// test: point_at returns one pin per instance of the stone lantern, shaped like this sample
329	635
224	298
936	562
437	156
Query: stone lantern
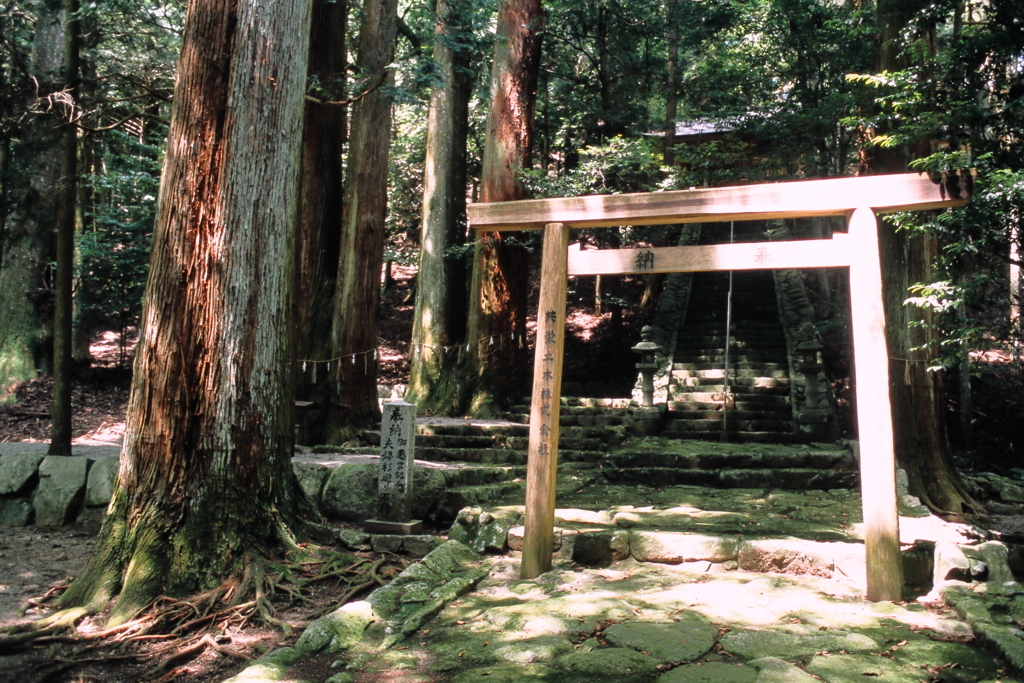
810	366
648	364
812	419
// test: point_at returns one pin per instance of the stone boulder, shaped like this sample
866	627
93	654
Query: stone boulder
100	486
61	489
351	492
19	473
15	512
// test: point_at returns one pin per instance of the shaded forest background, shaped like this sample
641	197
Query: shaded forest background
761	91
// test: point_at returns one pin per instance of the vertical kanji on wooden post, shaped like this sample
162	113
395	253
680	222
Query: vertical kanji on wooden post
538	541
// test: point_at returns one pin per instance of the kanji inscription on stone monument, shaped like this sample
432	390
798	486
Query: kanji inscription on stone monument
394	482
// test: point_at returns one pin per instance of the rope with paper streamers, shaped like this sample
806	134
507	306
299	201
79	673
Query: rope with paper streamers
338	361
490	343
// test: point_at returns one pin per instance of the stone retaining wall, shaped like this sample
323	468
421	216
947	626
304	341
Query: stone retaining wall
54	490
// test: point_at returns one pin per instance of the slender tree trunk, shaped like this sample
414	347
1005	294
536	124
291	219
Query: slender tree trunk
496	333
671	86
438	322
60	430
320	208
916	394
357	294
206	488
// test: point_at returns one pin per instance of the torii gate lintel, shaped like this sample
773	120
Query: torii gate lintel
858	199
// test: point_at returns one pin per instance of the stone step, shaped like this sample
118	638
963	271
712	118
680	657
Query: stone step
481	476
516	443
686	400
678	393
739	385
487	494
585	421
618	403
732	436
717	357
788	478
740	364
734	414
493	456
774	404
716	458
496	456
719	373
753	341
524	409
684	424
516	429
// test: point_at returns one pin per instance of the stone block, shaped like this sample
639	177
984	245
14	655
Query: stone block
593	549
312	477
420	545
996	557
19	473
796	556
1011	493
339	630
682	641
351	492
951	564
653	546
516	534
60	491
485	530
100	485
15	512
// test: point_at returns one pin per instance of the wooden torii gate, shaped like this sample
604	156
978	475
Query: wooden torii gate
858	199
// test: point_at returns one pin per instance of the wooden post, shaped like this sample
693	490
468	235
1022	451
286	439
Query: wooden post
874	415
538	539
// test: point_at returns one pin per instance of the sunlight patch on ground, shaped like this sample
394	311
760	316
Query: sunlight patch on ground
583	324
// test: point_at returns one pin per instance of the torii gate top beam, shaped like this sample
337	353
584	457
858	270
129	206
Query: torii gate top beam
832	197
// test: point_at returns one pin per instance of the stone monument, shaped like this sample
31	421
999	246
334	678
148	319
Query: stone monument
397	445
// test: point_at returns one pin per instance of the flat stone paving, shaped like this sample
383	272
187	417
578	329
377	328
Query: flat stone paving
652	622
647	621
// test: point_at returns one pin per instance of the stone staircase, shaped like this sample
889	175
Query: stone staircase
759	407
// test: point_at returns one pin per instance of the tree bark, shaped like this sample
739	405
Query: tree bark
320	209
916	394
206	488
671	87
357	294
438	322
60	429
496	333
30	188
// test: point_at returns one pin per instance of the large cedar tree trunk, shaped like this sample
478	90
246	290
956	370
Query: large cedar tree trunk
497	317
205	488
357	294
916	394
320	212
438	322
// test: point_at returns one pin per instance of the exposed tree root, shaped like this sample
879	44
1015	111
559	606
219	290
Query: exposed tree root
175	631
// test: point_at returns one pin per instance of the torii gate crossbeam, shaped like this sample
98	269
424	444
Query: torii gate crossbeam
858	199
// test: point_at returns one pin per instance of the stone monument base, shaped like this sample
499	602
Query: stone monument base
379	526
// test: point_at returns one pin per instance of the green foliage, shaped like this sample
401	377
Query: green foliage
114	254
